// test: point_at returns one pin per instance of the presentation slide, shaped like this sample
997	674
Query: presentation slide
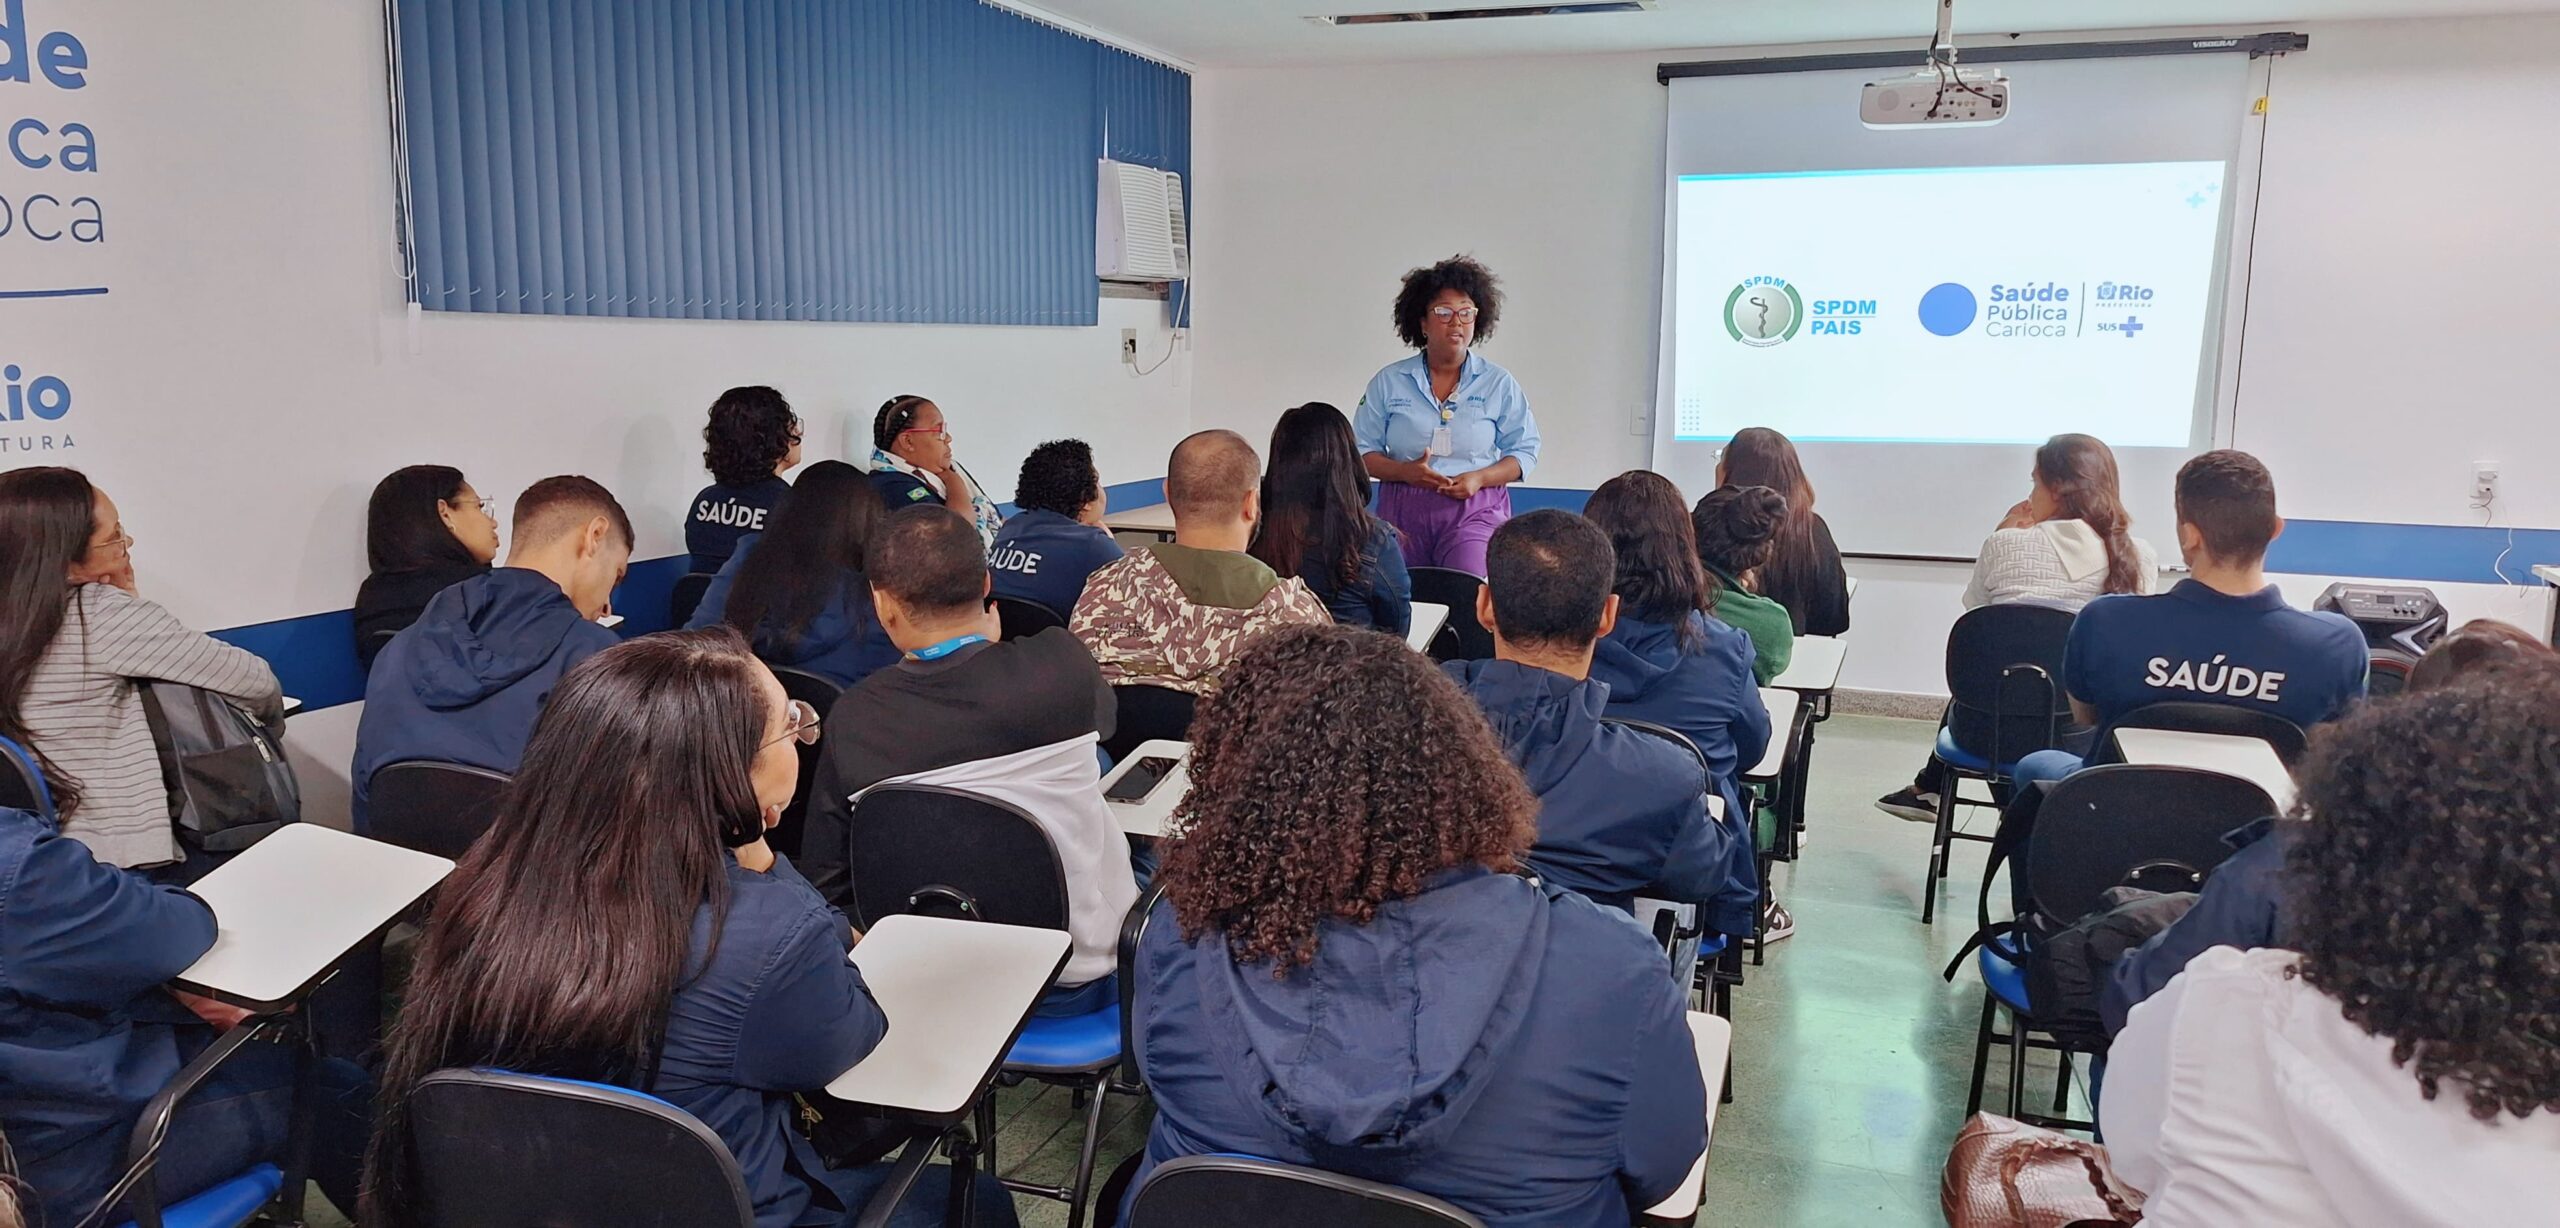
1949	304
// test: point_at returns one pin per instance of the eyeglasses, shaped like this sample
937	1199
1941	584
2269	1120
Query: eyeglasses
488	507
804	725
1453	313
942	432
120	541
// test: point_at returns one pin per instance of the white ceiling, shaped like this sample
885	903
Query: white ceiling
1256	32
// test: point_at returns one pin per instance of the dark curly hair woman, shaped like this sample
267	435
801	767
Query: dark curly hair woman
2401	1063
752	439
1349	972
1055	538
1445	430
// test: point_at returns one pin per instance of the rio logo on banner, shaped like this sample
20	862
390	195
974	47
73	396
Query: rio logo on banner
53	227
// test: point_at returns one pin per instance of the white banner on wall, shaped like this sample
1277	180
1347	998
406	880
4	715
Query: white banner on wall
54	256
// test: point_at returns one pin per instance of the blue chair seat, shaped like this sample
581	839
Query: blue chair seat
1712	945
227	1205
1071	1045
1957	757
2005	981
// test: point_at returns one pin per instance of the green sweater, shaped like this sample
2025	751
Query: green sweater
1772	631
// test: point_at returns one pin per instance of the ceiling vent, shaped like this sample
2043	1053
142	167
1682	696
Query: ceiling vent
1584	8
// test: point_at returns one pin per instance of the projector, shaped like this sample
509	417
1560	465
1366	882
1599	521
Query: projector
1936	97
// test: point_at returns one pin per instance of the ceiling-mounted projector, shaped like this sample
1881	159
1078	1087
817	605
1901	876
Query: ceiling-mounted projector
1941	97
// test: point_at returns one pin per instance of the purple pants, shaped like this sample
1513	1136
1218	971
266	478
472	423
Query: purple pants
1440	531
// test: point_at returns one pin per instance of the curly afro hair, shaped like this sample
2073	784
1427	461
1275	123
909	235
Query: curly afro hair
2425	885
751	430
1459	273
1335	770
1058	477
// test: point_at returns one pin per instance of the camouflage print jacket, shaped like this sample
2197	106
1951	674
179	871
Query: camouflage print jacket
1142	623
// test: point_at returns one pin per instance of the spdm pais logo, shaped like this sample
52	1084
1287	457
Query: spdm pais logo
33	407
1763	311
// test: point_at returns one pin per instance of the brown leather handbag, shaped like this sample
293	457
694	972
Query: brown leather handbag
2008	1174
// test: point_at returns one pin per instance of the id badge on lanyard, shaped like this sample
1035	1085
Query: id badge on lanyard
1440	442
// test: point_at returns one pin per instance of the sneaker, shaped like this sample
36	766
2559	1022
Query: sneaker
1776	923
1911	804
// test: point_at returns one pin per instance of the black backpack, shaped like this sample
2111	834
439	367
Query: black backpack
2065	970
229	785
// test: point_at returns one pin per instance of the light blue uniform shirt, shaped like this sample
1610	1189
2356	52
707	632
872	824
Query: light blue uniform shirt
1487	415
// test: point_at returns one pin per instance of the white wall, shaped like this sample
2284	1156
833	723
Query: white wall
253	371
2406	162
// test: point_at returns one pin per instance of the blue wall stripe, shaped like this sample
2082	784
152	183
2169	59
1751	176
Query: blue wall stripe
919	161
314	656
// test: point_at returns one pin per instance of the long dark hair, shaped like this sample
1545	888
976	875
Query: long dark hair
1758	456
403	532
811	548
1659	579
2427	883
1335	770
2079	471
560	940
1315	497
47	516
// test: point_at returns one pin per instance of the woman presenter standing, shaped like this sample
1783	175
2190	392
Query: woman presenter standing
1445	430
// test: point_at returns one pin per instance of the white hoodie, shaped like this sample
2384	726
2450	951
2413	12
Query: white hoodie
2239	1094
2058	563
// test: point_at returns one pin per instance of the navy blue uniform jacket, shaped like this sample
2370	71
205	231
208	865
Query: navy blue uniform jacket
2241	906
1042	556
1514	1049
843	644
86	1035
775	1009
1620	813
464	683
1706	692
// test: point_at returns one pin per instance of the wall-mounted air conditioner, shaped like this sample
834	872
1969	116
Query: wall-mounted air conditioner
1140	232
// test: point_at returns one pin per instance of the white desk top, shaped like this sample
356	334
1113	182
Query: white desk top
1428	618
1715	1047
1853	588
2249	759
2550	572
1148	815
1782	719
289	908
956	993
1153	518
291	705
1815	665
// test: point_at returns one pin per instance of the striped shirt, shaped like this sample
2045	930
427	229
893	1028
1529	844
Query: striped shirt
85	713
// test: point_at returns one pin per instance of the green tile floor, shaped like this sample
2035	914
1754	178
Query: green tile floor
1850	1055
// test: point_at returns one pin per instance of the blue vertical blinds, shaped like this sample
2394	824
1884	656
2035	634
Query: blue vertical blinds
916	161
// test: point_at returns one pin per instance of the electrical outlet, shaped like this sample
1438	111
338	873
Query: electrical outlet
2484	483
1129	347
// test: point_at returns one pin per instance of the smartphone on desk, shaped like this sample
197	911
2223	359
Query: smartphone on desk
1140	780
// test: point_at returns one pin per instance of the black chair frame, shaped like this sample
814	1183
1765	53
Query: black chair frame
1146	713
22	784
685	595
1462	638
821	695
2022	695
1021	616
447	834
139	1188
2283	736
1243	1192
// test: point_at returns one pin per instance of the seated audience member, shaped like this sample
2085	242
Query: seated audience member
2064	545
1348	972
464	684
1736	527
1055	538
753	438
1316	524
796	590
425	531
2243	902
2398	1064
94	1032
1013	720
625	922
76	641
2224	635
1667	662
1174	614
1620	812
1804	572
912	462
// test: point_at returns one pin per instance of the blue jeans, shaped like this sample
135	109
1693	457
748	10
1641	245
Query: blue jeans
2041	767
2045	767
928	1201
